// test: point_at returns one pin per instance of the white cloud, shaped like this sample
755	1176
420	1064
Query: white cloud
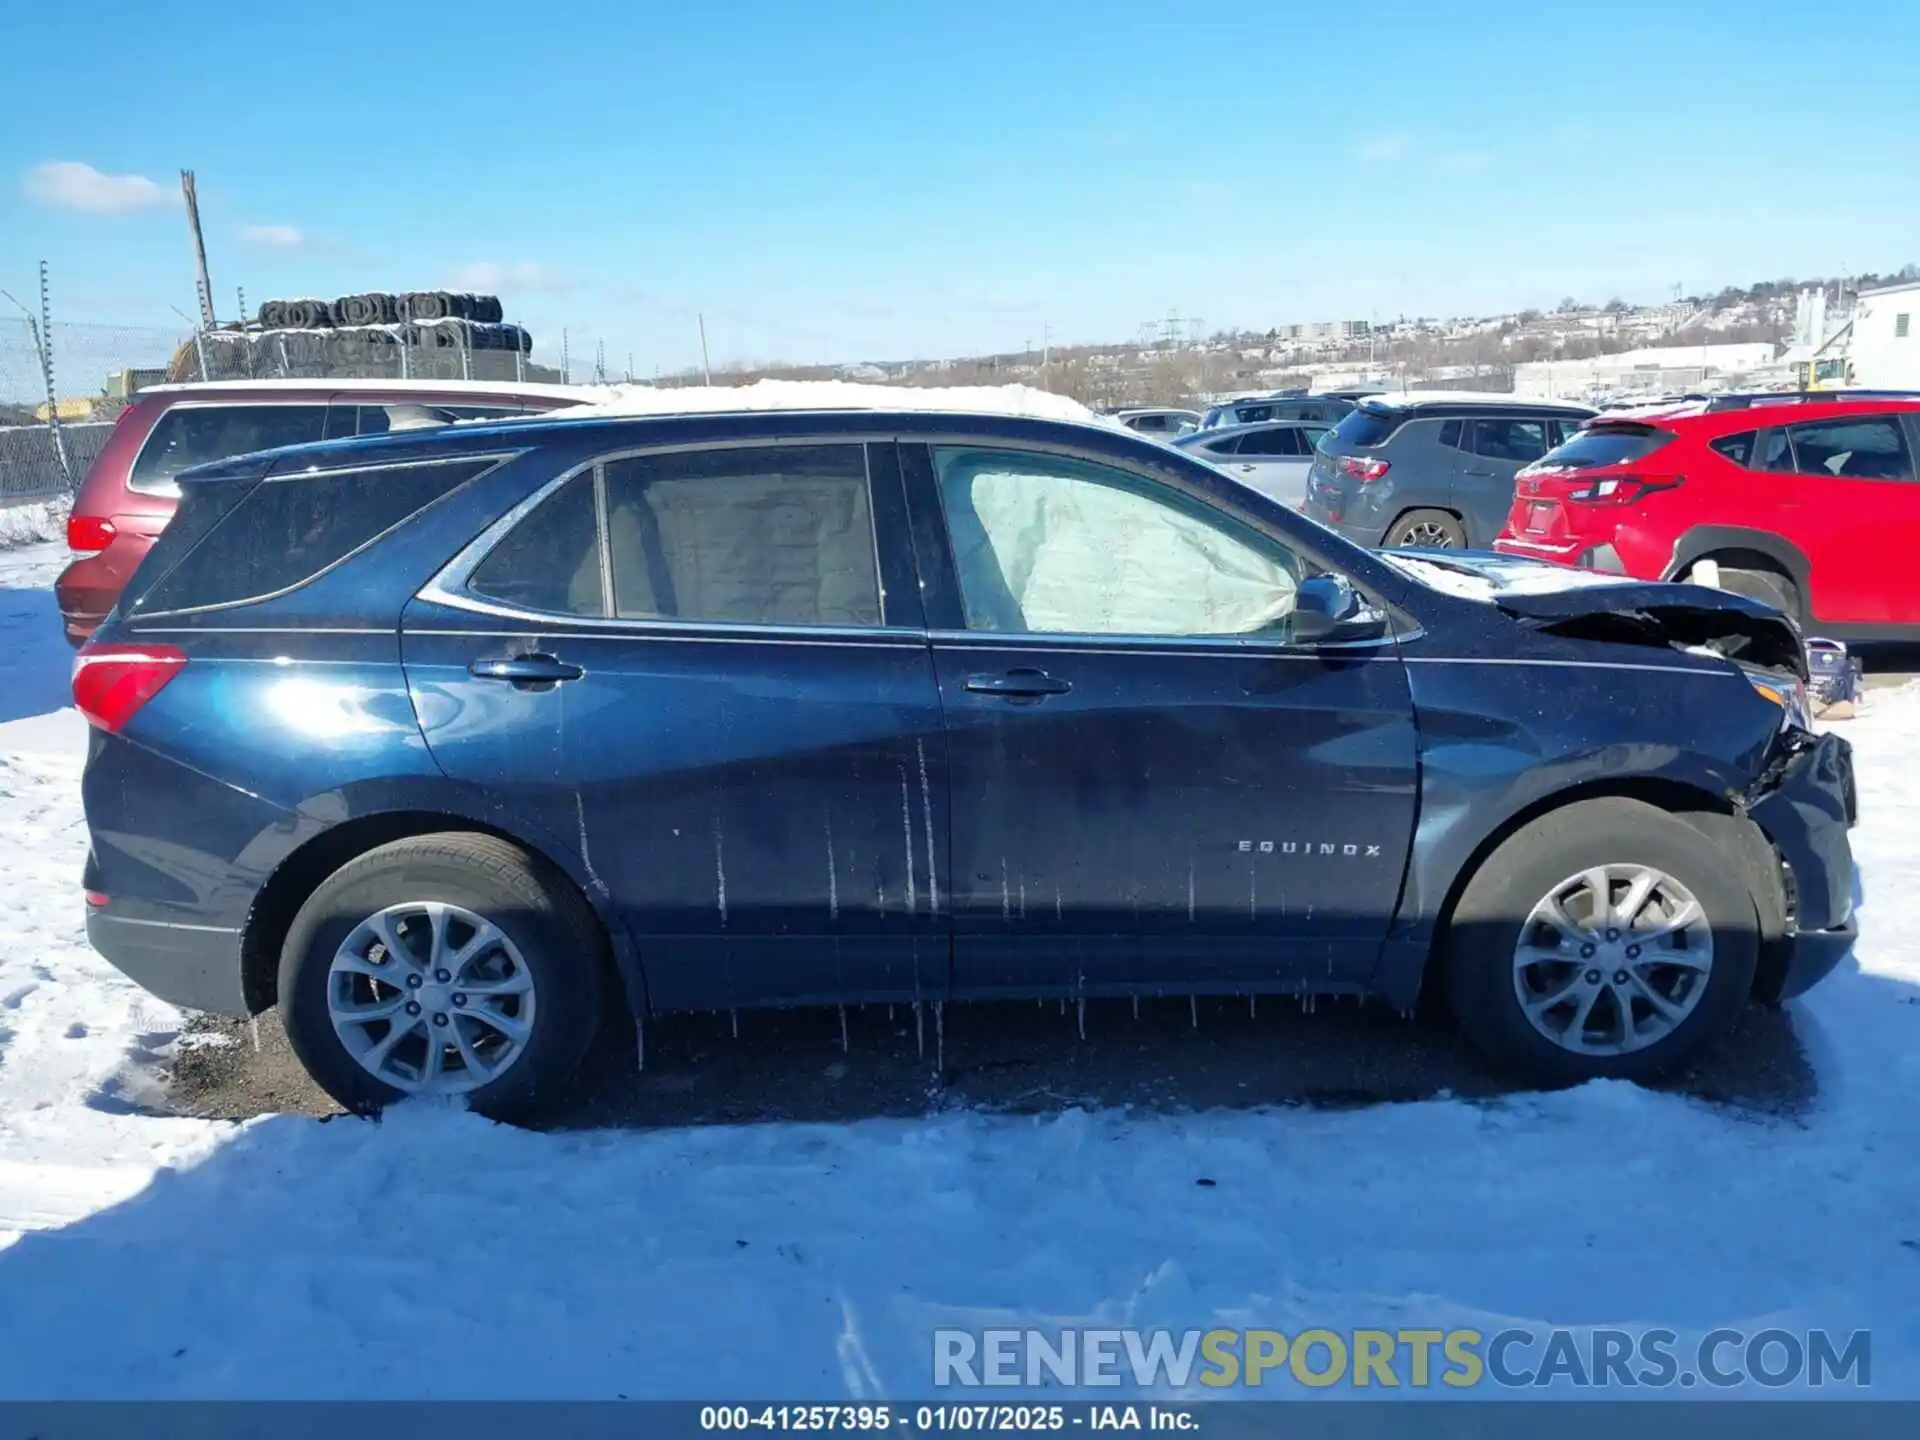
1464	163
277	237
521	277
73	185
1382	148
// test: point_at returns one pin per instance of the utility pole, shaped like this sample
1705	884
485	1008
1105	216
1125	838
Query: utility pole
199	249
706	365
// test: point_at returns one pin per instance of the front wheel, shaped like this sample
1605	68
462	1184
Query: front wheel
1602	940
442	966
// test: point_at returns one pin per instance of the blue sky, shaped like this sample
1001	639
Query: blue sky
850	179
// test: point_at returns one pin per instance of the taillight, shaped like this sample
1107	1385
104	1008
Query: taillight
1354	467
98	899
89	534
112	682
1616	490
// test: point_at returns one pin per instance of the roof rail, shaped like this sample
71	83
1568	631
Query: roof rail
1799	397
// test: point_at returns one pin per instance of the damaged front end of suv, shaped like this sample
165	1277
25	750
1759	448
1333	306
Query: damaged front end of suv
1776	797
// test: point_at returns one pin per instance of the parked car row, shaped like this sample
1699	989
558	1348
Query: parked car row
443	740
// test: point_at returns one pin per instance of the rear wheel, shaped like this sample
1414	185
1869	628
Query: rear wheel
441	966
1603	940
1429	529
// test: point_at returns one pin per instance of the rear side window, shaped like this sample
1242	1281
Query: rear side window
1611	445
551	560
1253	414
1776	452
1503	439
774	535
286	532
1452	433
189	435
1737	448
1271	442
1869	448
1365	428
201	508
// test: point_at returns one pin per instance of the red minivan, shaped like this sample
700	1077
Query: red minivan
129	494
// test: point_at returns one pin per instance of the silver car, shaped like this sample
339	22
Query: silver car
1272	458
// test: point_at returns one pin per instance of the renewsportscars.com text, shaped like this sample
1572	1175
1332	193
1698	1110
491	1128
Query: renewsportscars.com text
1392	1359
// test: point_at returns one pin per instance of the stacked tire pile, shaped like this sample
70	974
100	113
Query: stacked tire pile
445	335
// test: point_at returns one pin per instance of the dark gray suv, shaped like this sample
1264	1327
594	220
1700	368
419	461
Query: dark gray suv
1431	468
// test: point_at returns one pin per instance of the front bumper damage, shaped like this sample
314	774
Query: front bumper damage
1804	803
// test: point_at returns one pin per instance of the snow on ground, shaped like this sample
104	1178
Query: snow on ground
436	1255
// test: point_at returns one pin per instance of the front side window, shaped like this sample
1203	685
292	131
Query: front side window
189	435
759	535
1523	441
1868	448
1048	545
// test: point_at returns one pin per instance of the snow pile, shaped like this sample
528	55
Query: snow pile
34	523
435	1255
1021	400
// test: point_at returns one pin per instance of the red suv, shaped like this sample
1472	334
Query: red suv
1807	502
129	494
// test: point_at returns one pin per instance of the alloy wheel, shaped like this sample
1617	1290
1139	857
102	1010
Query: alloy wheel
430	998
1613	959
1427	534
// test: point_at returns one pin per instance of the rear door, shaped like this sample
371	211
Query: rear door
706	671
1274	462
1498	445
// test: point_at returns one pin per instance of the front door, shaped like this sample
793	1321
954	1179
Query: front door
1152	786
695	670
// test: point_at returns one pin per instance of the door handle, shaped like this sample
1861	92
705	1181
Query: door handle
1246	467
526	672
1019	684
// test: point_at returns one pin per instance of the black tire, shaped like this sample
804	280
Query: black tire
487	310
1769	587
1485	929
1446	530
556	934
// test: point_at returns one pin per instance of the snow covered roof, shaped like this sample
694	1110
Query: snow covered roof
362	386
1021	400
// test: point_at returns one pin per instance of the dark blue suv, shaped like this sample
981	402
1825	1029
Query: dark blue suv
443	742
